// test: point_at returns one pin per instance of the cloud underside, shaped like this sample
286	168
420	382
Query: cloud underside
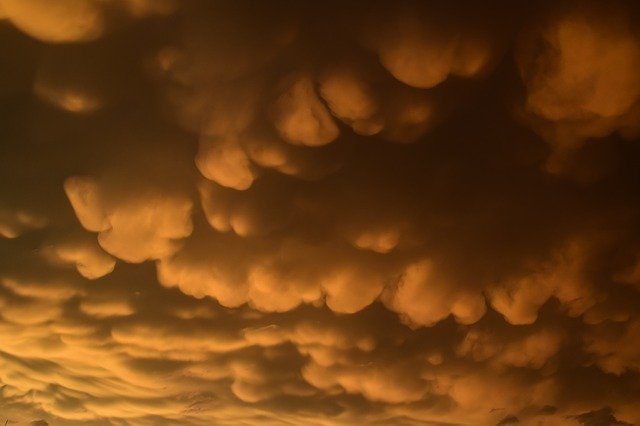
384	213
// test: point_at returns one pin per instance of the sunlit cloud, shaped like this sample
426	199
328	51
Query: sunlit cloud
369	213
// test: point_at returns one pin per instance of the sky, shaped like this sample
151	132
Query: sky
338	213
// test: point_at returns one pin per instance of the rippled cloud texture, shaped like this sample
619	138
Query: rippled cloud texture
319	213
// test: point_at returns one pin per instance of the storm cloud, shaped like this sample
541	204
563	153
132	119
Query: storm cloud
319	213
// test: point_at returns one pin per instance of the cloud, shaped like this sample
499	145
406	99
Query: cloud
88	258
581	82
520	300
67	21
134	227
418	51
134	230
14	223
299	116
531	351
423	299
599	417
242	213
508	420
625	356
72	22
352	99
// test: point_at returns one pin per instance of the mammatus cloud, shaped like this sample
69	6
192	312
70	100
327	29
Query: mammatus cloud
579	69
415	47
69	21
377	213
423	299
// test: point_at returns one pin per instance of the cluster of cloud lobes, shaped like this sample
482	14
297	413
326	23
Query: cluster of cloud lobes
267	213
580	67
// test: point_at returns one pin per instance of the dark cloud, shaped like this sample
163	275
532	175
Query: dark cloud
336	213
601	417
508	420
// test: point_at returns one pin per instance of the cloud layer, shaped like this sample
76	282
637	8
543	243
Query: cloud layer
380	213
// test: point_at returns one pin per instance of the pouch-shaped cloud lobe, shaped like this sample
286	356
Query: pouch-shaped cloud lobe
579	66
339	213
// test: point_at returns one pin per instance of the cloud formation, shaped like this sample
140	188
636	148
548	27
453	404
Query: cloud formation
579	68
377	213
